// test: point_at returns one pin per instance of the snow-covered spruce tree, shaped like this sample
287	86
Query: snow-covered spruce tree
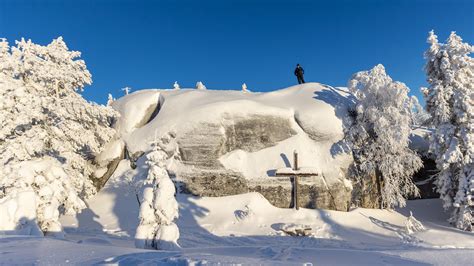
200	86
176	86
158	208
7	62
110	99
379	136
48	128
244	88
412	225
449	100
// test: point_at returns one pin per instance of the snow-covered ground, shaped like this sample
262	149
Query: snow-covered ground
245	229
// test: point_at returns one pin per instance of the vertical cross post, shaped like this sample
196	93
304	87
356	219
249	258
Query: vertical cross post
295	180
295	173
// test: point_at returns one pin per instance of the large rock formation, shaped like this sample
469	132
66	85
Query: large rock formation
229	142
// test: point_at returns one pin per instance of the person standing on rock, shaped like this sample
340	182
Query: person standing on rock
299	73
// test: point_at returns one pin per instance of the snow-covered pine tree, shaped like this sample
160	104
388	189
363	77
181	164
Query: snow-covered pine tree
45	125
244	88
200	86
412	225
110	99
158	208
176	85
449	100
51	66
379	135
7	63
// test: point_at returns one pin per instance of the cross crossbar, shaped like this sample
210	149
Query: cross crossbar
294	173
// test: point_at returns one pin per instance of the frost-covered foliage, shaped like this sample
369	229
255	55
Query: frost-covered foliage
379	135
200	86
7	62
158	208
419	116
51	67
449	100
176	85
47	129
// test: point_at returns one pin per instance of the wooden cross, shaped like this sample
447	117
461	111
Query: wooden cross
294	173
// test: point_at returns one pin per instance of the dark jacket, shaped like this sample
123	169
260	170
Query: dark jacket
299	71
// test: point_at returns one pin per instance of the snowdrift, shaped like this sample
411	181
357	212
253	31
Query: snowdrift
246	229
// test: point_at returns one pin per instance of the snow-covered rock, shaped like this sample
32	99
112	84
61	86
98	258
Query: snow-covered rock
230	142
136	110
419	140
292	229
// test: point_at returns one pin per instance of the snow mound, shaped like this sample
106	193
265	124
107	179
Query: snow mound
18	207
135	109
314	104
312	114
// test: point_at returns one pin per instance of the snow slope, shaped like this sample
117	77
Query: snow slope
243	228
245	231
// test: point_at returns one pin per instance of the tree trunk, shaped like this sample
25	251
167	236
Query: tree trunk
379	182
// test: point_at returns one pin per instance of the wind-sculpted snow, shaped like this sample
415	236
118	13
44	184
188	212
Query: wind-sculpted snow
136	110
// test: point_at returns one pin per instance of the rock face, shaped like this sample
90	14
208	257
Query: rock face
204	145
312	194
231	142
365	193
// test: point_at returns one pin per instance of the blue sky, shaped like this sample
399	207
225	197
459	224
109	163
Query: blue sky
151	44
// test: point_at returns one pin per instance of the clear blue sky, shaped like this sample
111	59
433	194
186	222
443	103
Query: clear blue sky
151	44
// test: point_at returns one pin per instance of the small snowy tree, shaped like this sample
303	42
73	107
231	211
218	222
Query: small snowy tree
244	88
110	99
158	208
379	135
412	225
126	90
200	86
176	85
449	100
55	191
44	121
7	62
